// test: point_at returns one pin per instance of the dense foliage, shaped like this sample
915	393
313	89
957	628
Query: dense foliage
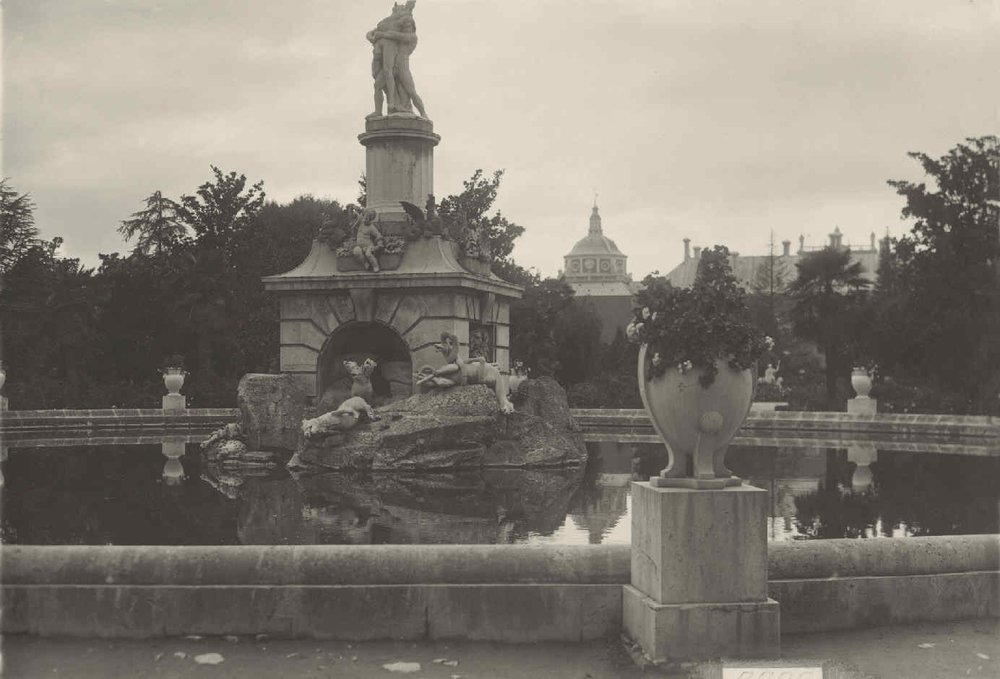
829	302
938	297
691	328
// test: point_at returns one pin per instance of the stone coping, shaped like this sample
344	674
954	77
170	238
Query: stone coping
893	424
941	445
116	418
120	437
465	564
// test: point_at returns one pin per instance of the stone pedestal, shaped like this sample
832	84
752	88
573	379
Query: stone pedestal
4	404
699	575
862	405
174	402
399	164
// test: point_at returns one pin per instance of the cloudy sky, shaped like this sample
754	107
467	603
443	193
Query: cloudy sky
717	120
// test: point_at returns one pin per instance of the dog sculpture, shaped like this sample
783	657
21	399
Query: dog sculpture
341	419
361	377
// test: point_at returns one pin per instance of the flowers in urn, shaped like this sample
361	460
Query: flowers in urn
690	328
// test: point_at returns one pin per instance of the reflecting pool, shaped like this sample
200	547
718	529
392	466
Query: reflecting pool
157	489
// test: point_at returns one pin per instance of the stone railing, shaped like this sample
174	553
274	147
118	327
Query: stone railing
919	433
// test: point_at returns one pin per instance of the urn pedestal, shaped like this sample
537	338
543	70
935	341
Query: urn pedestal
862	403
173	380
699	575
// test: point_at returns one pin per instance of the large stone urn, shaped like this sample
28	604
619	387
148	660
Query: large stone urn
173	379
861	382
698	585
695	423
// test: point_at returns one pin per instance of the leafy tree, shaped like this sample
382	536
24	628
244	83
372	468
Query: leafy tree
18	234
552	334
472	205
220	210
829	296
157	229
943	287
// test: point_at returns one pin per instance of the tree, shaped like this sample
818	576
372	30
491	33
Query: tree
157	228
944	284
552	334
220	210
829	296
472	205
18	234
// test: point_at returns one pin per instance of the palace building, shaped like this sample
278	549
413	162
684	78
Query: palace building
598	272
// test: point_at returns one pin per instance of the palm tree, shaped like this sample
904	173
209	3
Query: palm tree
829	296
157	228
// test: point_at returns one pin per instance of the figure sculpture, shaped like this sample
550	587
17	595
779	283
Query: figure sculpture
458	372
367	241
393	41
361	377
427	220
228	432
341	419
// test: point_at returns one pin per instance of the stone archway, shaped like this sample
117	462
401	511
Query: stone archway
356	341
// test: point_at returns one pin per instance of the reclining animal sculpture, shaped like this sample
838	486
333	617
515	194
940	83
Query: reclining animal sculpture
341	419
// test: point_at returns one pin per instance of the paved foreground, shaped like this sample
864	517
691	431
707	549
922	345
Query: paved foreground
928	651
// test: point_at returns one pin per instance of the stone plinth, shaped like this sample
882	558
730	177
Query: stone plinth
699	574
4	405
174	402
399	164
862	405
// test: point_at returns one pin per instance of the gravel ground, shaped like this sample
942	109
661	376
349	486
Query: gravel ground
926	651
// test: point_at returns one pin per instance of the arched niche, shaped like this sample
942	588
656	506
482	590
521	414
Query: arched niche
357	341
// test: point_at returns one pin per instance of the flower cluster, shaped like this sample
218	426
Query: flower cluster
690	328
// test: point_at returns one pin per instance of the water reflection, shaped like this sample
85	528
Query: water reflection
173	469
160	494
482	507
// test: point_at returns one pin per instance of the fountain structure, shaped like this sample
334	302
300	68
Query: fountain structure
388	289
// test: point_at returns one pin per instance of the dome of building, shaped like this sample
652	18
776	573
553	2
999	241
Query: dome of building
595	242
598	273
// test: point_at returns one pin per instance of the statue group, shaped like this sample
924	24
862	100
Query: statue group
393	41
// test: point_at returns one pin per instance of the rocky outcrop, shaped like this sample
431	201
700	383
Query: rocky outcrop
458	428
272	408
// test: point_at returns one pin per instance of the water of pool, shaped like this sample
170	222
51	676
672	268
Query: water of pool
90	492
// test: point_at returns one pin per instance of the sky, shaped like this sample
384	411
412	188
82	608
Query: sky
724	122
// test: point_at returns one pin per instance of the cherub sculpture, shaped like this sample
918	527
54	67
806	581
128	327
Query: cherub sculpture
367	240
457	372
361	377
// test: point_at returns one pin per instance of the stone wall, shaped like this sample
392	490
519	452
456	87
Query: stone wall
309	321
505	593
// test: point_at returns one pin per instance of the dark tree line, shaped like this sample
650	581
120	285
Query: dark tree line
77	337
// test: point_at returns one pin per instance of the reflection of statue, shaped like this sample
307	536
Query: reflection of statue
361	383
343	418
393	41
457	372
368	241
